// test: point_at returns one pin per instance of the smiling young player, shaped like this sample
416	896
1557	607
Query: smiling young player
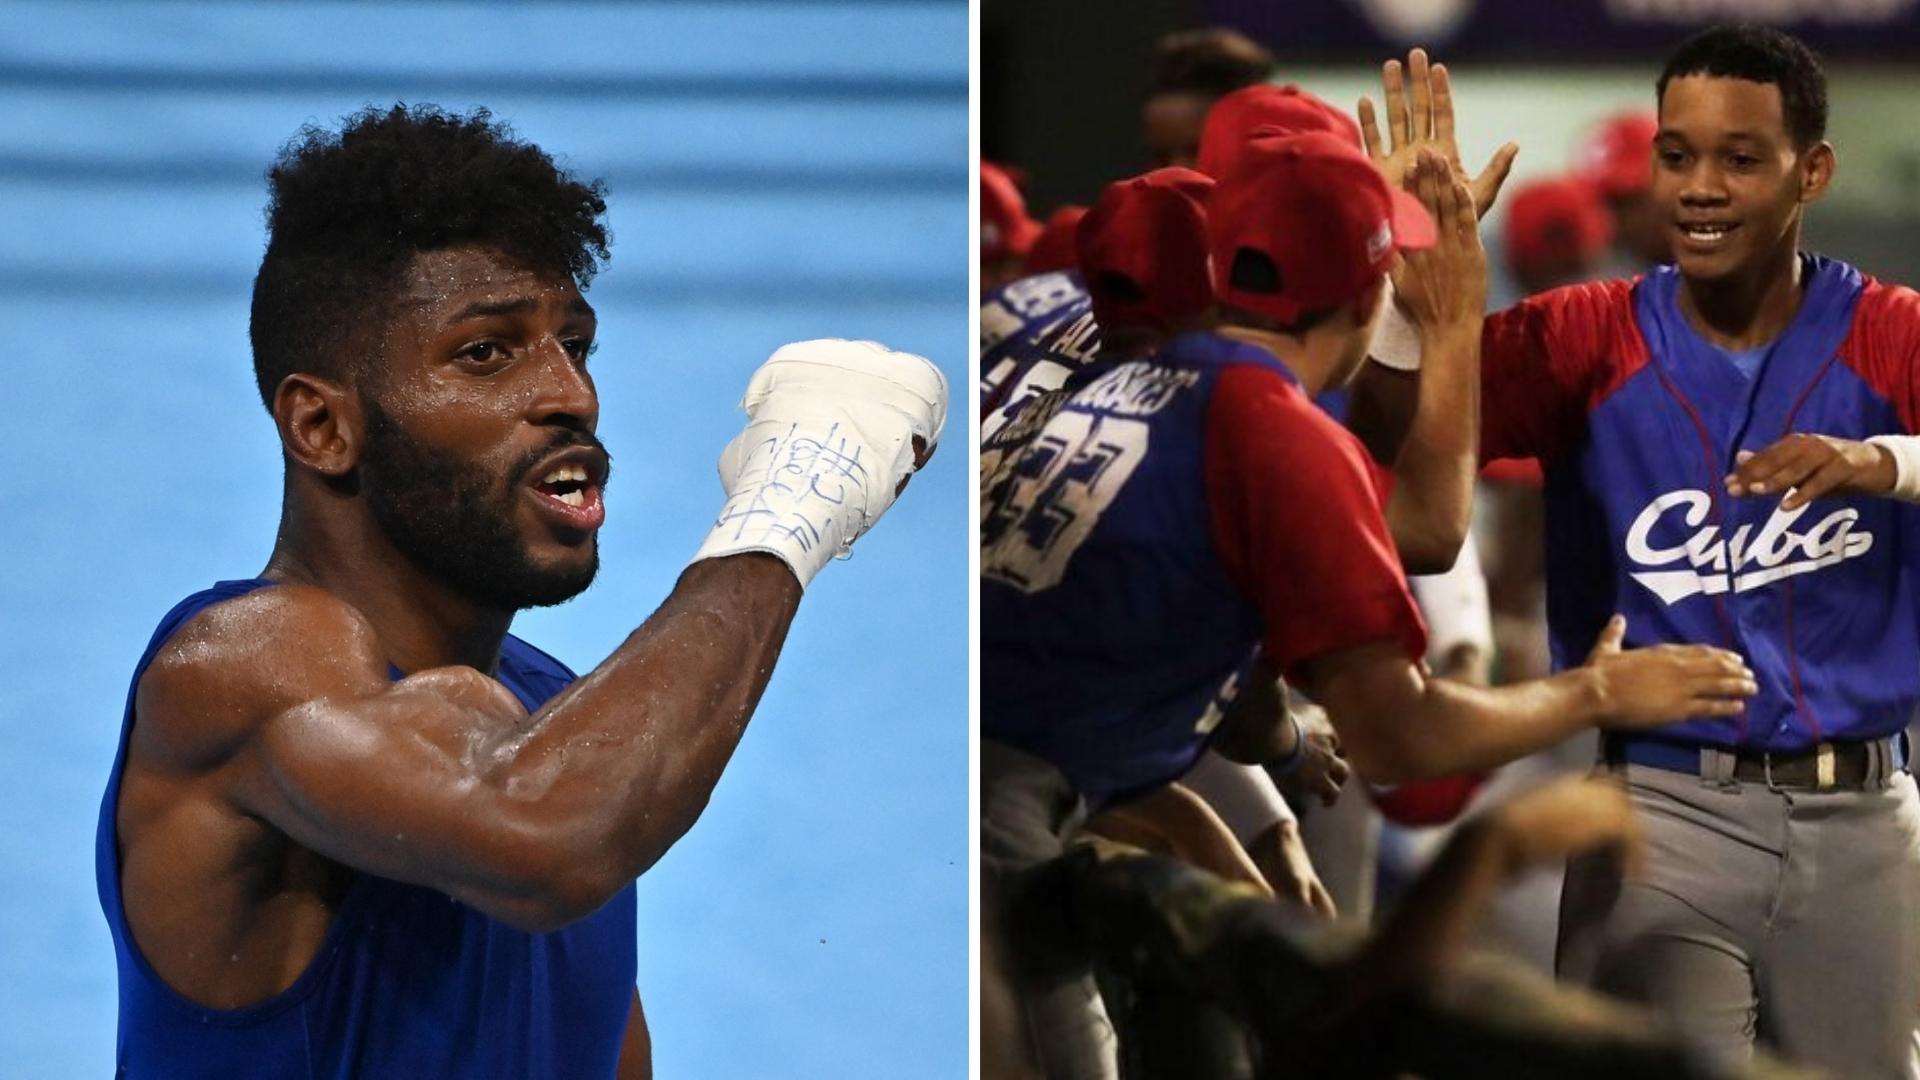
1671	412
355	827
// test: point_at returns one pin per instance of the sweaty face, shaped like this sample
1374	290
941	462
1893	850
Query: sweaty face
1173	123
1727	178
480	463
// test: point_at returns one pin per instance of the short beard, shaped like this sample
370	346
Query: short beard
456	524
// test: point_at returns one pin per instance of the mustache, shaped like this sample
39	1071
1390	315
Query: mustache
564	440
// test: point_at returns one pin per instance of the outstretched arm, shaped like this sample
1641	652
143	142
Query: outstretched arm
1399	724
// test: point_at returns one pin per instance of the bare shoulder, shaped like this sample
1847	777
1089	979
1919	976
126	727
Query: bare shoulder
240	662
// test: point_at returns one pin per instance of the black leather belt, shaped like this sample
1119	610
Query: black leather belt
1837	766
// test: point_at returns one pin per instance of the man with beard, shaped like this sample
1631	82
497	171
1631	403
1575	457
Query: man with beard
355	827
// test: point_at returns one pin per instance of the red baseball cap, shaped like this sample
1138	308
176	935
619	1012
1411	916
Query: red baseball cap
1005	228
1053	248
1143	250
1306	223
1618	156
1556	222
1266	109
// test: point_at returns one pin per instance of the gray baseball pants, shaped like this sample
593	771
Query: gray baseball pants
1787	916
1028	812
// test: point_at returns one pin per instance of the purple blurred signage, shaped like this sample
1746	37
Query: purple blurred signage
1537	29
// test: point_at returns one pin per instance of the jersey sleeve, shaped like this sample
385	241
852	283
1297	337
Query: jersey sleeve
1884	347
1297	518
1541	364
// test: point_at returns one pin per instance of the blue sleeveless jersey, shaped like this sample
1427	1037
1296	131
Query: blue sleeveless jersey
408	982
1112	638
1637	442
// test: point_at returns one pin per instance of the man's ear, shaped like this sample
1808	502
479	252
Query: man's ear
1816	171
321	423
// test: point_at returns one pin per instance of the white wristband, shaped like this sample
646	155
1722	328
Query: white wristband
1905	450
1396	341
829	437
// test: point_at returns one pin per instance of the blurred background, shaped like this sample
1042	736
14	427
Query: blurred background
1063	86
777	171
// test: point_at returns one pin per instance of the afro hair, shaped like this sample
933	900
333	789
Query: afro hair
348	212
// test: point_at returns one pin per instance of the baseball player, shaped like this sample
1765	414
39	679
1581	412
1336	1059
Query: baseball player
1140	275
1721	438
1152	528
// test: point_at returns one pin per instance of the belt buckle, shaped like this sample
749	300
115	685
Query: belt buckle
1824	772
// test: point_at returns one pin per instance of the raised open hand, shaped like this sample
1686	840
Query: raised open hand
1419	99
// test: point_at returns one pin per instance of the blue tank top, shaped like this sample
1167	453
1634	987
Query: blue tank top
408	982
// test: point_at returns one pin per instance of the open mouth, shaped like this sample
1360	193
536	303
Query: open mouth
568	495
1705	234
565	484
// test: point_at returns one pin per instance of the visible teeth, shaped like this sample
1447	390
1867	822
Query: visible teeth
573	498
566	472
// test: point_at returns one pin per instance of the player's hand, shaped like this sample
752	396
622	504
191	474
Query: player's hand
1664	684
1322	773
1566	818
834	430
1809	467
1421	115
1281	856
1443	286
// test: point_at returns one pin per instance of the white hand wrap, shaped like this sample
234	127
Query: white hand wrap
1905	450
1396	341
829	436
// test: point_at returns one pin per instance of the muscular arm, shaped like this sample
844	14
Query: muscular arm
441	779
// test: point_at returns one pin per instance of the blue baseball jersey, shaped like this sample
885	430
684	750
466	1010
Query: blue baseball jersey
1033	333
1638	420
408	981
1148	528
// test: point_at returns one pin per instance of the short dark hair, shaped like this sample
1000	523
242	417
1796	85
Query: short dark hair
348	212
1212	62
1764	55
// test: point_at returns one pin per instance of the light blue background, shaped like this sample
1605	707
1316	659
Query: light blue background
777	171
